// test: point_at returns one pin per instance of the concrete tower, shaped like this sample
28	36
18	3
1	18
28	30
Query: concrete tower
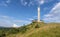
38	14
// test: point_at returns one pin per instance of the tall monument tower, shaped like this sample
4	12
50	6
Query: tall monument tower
38	14
40	2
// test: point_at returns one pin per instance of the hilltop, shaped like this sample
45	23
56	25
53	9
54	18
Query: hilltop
34	29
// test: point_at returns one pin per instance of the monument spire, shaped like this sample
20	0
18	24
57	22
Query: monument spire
38	13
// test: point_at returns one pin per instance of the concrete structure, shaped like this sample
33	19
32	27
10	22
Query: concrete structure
38	14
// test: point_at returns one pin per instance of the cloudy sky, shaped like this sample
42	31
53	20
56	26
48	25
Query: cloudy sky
21	12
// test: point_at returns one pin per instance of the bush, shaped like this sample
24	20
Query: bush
13	31
24	29
3	35
37	26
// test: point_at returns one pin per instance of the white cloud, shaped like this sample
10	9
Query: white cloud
8	1
54	15
5	21
8	21
15	25
5	3
34	2
40	1
30	19
25	3
47	1
31	3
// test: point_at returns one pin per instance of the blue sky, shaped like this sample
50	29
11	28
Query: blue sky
21	12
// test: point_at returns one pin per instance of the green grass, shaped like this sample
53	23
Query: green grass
42	30
47	31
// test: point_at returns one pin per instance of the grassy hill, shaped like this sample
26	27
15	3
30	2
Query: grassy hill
34	29
47	31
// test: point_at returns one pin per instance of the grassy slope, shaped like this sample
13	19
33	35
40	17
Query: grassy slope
31	29
48	30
